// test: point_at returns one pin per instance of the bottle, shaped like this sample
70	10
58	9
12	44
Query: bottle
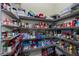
5	46
44	52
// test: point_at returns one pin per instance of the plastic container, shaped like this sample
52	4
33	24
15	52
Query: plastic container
21	12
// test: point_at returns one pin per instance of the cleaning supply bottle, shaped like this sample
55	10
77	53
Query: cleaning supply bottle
31	13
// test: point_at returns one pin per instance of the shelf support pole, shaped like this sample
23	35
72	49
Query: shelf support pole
0	30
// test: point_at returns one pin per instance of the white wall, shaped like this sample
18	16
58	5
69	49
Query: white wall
47	8
60	6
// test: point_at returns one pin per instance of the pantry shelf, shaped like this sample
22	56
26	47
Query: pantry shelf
9	26
74	28
35	19
10	14
48	38
12	38
6	54
10	53
52	45
39	39
64	28
76	43
24	31
62	50
72	14
36	29
41	29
